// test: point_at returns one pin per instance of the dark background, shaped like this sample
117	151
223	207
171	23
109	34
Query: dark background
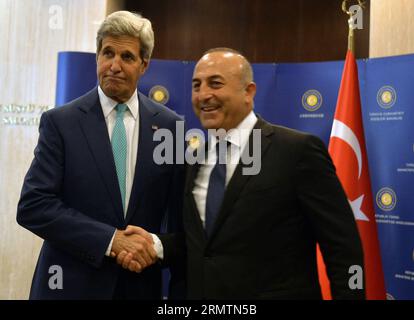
264	30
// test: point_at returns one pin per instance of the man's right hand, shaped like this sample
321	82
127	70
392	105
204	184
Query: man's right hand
133	251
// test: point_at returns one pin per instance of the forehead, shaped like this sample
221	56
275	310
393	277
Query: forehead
121	43
218	64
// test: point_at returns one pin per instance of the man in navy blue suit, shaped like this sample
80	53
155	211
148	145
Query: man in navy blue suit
93	176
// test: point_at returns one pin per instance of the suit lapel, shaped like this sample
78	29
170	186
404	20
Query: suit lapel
95	130
239	180
145	163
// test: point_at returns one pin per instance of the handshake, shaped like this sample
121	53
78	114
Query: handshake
133	248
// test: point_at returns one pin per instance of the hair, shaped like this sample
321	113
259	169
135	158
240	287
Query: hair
247	70
125	23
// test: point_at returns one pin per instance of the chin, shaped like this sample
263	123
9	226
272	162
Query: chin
109	90
209	124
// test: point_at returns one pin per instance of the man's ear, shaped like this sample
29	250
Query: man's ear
144	65
250	91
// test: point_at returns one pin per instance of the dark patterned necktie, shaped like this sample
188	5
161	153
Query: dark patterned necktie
216	186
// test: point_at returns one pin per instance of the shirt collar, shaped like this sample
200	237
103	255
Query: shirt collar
109	104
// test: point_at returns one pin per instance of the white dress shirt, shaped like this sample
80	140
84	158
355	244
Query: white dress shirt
131	122
238	139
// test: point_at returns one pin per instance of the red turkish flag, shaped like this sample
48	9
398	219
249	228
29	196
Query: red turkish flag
348	151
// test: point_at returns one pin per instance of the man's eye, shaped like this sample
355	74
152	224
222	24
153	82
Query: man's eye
127	57
107	53
216	83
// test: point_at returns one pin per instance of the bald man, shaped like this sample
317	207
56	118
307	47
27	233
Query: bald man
253	235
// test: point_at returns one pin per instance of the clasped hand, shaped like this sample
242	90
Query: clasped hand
133	248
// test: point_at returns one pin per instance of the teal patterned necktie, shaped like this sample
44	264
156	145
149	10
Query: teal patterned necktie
119	148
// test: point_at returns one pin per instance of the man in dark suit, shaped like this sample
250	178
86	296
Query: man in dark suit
254	236
93	175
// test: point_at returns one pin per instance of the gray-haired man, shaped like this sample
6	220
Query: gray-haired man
93	175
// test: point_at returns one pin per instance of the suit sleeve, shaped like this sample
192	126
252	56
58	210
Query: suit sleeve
42	210
326	207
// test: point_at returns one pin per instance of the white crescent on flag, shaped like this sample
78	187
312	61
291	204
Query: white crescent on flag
342	131
345	133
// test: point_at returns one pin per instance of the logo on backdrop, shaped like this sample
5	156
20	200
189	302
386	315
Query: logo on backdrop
386	199
386	97
312	100
159	94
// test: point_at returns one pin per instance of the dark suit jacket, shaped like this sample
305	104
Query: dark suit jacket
71	198
263	243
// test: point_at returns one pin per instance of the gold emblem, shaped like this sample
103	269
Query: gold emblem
386	97
194	142
386	199
159	94
312	100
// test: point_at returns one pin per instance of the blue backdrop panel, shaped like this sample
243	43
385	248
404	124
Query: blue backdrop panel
76	75
265	78
168	74
303	96
389	119
294	83
190	118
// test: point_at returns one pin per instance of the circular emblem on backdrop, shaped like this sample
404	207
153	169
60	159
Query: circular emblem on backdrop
159	94
312	100
386	97
386	199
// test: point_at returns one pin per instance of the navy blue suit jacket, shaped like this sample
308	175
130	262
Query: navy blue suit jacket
71	199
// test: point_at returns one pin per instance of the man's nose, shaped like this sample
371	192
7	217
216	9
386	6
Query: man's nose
204	93
116	64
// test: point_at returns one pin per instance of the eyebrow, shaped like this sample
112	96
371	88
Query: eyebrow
122	52
213	77
107	47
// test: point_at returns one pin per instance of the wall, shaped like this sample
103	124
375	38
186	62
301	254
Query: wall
264	30
392	28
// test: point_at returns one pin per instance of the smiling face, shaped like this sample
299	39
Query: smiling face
221	95
119	67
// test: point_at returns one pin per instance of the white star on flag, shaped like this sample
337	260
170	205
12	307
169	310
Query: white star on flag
356	209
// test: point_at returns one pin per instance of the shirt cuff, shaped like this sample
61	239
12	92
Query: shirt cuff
159	249
108	250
